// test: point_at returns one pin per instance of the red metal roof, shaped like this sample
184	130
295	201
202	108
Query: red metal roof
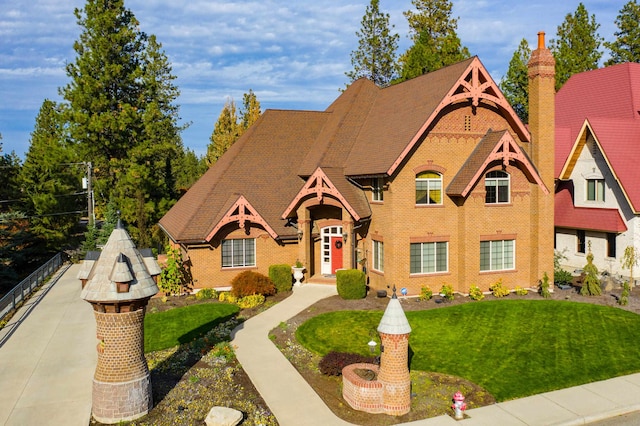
595	219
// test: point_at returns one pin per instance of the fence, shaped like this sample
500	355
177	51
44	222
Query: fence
20	292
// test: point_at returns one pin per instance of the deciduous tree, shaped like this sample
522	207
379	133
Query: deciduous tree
576	47
626	46
375	57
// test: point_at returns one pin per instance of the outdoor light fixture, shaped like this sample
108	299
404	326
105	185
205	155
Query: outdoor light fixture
299	234
372	346
345	236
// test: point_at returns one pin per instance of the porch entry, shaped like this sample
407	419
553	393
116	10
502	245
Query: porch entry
332	246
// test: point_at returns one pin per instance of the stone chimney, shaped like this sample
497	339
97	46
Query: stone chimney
541	70
394	376
119	285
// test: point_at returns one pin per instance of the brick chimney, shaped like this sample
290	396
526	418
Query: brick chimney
541	70
394	375
119	284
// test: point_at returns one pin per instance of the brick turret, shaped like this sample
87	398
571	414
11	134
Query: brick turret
119	285
394	376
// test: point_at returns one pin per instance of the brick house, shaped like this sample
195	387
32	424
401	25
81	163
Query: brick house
431	181
598	193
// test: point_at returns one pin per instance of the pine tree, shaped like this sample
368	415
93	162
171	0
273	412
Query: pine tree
10	192
51	180
626	46
189	170
515	83
122	116
376	54
577	46
436	42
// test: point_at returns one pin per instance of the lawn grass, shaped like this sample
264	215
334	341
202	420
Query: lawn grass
512	348
166	329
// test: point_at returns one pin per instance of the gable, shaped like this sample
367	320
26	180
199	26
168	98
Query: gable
494	147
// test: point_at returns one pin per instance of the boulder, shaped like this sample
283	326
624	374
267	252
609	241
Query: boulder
223	416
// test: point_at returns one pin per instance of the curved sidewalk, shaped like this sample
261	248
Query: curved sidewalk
48	357
295	403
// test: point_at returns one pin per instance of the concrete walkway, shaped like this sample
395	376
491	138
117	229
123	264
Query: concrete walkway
295	403
48	357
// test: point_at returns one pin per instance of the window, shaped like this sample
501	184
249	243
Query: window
496	184
611	245
238	253
376	189
378	256
429	188
595	189
582	241
426	258
497	255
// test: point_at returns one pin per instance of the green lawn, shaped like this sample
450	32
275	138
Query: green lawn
181	325
513	348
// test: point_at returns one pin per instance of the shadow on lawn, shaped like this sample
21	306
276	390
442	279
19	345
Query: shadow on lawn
166	374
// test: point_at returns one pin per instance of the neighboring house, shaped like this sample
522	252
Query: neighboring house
431	181
598	166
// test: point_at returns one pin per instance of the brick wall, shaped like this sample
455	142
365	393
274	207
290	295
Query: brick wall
394	374
360	394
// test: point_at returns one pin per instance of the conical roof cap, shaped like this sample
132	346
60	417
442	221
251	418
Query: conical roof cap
394	321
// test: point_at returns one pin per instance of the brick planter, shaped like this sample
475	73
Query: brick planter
361	394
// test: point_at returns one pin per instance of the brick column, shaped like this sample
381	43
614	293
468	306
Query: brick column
394	374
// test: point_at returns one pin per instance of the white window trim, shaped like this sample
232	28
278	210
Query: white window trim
497	179
377	256
244	254
491	269
422	271
429	180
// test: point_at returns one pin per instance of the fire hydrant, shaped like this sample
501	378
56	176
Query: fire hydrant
458	406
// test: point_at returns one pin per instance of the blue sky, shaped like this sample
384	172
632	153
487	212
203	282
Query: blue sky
293	55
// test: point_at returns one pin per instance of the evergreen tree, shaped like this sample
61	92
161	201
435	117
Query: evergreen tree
10	193
591	284
515	84
376	54
121	114
577	46
435	41
189	170
626	46
51	181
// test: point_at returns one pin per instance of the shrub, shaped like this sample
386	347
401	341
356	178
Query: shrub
475	293
562	277
544	286
174	275
447	291
591	283
206	293
225	296
332	363
521	291
498	289
351	284
252	301
425	293
624	296
248	282
281	277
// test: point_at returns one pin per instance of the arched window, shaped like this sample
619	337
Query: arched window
496	184
429	188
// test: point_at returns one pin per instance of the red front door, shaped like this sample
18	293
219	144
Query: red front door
336	254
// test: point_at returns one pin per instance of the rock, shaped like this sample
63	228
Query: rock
223	416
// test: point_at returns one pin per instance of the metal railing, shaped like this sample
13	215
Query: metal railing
22	291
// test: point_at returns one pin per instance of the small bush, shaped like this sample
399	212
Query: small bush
206	293
498	289
425	293
544	286
447	291
225	296
475	293
563	277
521	291
624	296
248	282
332	363
351	284
281	277
252	301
